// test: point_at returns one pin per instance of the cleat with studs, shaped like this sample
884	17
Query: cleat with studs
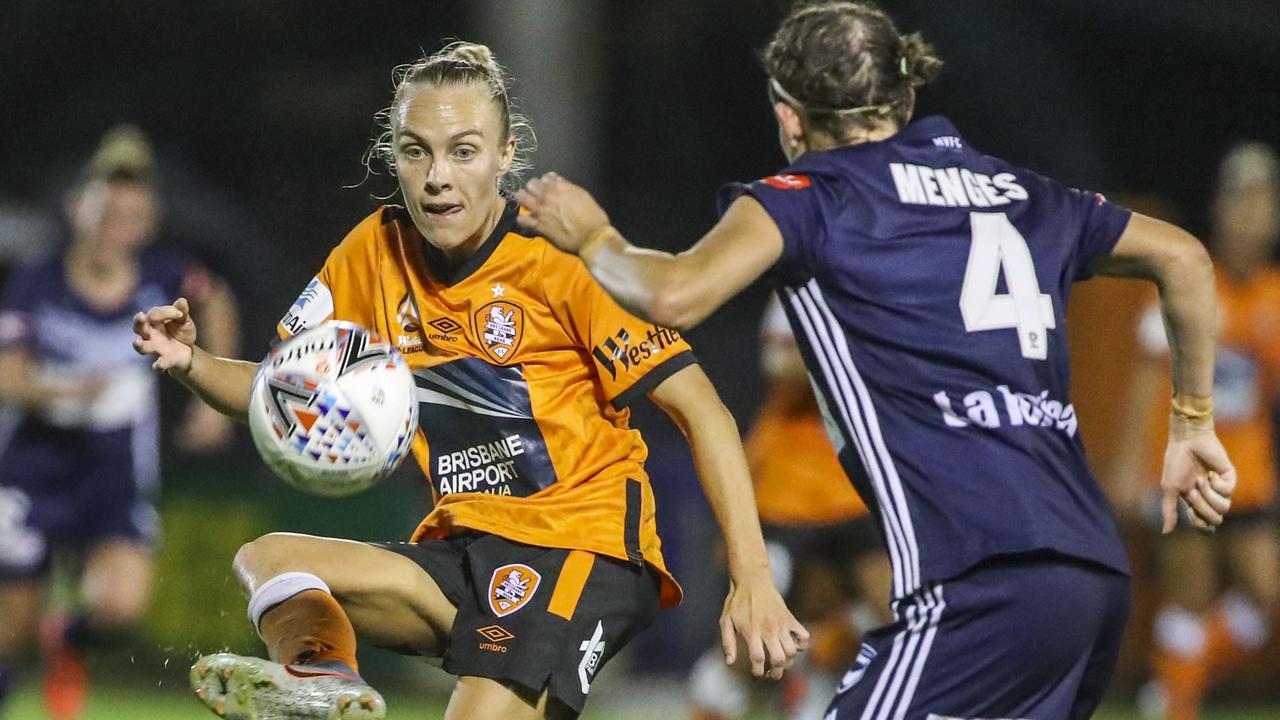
247	688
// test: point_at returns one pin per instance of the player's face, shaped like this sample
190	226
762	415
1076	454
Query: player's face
1247	219
115	217
450	154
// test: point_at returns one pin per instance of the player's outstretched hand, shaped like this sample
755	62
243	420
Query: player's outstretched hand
168	332
1198	472
755	611
560	211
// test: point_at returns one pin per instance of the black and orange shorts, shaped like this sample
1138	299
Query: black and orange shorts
542	618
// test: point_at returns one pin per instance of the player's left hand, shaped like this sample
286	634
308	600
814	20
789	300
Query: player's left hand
560	211
755	611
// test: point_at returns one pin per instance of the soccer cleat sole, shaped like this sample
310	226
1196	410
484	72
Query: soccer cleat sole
246	688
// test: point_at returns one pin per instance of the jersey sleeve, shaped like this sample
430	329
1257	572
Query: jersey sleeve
631	357
792	203
1104	223
344	287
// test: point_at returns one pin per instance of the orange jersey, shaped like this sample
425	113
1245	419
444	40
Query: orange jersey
798	479
1245	382
524	368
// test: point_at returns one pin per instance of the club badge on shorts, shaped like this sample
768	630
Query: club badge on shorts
511	588
500	327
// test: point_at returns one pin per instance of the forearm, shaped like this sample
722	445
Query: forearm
221	383
726	481
219	322
1188	302
640	280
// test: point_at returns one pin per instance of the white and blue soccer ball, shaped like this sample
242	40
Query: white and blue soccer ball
332	409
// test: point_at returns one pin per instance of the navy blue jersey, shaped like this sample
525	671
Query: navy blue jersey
927	284
72	341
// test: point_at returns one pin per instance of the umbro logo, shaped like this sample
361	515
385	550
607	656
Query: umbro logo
445	325
494	636
495	633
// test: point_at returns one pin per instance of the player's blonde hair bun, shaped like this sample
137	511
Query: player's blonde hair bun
124	153
479	55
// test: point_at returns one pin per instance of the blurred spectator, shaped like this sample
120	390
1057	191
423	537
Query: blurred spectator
1202	632
80	466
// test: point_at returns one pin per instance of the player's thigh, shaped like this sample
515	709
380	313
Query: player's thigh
117	581
391	600
1188	565
20	601
1254	553
478	697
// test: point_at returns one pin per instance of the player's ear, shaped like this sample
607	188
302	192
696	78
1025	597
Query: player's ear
789	123
508	155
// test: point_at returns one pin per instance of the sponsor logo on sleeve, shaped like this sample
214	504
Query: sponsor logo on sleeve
788	182
500	325
312	307
511	588
623	351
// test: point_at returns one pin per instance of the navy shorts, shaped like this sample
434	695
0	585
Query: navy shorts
1032	637
73	489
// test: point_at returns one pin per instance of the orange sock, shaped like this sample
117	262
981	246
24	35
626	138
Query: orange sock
1185	680
1221	653
310	627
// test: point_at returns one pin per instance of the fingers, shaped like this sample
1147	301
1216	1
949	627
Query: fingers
728	639
164	314
1224	483
800	634
1197	522
1201	507
1217	500
1169	511
756	652
779	658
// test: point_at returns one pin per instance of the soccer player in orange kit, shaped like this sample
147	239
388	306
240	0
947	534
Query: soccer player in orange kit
541	558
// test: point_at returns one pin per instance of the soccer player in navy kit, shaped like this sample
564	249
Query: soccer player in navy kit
928	284
80	454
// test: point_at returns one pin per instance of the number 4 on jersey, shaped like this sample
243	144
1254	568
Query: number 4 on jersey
999	247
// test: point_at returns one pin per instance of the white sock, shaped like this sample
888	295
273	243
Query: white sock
280	588
1179	631
717	687
1246	622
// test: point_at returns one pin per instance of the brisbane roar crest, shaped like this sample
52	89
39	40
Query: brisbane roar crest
511	588
500	328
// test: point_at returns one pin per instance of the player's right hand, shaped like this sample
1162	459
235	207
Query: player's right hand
1198	472
168	333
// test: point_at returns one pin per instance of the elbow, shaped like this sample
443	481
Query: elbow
675	305
1187	263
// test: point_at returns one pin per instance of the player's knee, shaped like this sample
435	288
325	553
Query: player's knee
260	556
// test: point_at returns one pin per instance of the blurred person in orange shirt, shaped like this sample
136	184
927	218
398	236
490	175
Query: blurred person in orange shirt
813	523
1202	631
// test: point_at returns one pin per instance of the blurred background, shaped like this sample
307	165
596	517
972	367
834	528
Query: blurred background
260	112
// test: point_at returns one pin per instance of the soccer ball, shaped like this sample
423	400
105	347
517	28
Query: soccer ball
332	409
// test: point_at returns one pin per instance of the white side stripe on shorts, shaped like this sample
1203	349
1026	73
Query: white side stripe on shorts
896	685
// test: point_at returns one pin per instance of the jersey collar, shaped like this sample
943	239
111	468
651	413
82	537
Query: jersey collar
448	276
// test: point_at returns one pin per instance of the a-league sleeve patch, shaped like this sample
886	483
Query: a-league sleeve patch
313	306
